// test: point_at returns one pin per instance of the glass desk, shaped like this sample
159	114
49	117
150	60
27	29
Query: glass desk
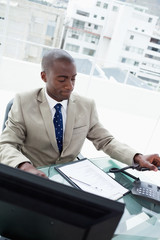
141	218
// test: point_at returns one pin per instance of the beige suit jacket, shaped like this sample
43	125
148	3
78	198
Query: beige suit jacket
30	136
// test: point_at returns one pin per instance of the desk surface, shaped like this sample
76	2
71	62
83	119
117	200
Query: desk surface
141	218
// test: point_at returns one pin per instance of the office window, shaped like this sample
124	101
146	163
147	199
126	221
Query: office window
151	65
123	60
133	49
138	9
115	9
148	55
155	40
154	49
82	13
98	3
134	73
72	47
92	38
149	79
150	19
127	48
50	28
136	63
73	34
153	57
89	52
78	24
26	39
36	25
129	61
105	5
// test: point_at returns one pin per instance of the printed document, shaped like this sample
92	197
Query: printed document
88	177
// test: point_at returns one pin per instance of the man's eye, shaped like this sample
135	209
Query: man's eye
62	79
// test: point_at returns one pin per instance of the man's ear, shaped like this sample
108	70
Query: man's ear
43	76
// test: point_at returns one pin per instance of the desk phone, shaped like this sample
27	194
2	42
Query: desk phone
142	189
146	190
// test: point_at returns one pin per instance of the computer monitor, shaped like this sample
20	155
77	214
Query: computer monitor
32	207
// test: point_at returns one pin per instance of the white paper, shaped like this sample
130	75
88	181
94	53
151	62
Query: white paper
136	220
92	179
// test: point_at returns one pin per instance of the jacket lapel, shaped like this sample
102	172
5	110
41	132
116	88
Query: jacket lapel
47	119
70	122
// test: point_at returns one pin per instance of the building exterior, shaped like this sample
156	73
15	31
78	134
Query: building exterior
116	34
108	32
28	28
149	69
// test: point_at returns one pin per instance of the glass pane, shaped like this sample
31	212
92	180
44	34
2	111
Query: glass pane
116	46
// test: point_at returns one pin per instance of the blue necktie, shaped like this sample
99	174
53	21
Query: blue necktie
58	124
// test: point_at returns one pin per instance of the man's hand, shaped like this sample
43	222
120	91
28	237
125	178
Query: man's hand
26	166
148	161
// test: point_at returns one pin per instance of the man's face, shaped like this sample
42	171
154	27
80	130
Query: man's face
60	80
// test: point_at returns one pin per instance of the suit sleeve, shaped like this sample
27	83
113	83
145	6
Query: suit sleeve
13	137
103	140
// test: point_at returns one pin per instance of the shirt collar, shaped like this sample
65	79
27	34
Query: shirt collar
53	102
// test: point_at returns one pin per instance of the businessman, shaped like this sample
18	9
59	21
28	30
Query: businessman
49	125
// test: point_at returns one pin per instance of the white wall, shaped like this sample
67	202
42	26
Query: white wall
130	113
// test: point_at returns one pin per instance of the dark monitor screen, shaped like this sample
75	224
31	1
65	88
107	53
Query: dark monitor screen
32	207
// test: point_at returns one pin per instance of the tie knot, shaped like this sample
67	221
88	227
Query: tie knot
58	106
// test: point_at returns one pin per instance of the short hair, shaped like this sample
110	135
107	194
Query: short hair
56	54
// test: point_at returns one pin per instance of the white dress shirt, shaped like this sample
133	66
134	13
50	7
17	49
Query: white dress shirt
52	103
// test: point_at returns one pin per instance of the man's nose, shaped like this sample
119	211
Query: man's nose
69	85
